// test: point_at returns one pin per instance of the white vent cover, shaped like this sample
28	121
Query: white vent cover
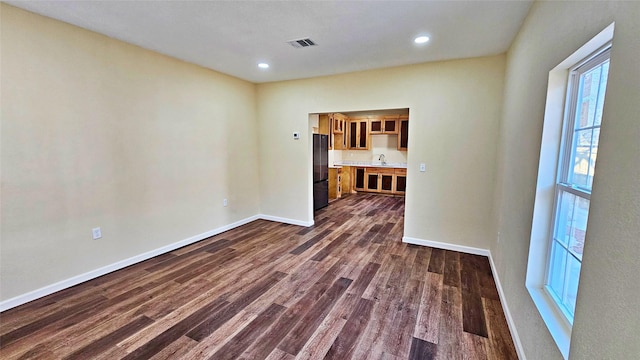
302	43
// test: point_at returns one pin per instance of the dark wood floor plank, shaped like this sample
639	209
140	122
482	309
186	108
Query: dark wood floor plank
436	262
422	350
472	308
450	332
100	345
215	319
35	310
177	350
28	329
385	230
293	314
236	345
501	343
211	248
309	243
375	228
176	331
104	320
311	282
428	321
404	321
451	268
299	335
320	255
474	346
387	298
421	263
278	354
220	258
343	346
364	279
347	287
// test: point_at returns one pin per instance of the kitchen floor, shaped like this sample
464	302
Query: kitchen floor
345	288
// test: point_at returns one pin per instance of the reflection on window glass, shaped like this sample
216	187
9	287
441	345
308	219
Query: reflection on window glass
558	266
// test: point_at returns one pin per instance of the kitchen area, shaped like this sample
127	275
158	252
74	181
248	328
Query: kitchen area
366	152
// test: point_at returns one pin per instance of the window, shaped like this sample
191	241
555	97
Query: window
568	152
576	167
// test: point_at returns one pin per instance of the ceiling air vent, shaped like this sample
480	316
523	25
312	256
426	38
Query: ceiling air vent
302	43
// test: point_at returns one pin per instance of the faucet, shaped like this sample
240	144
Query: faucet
382	159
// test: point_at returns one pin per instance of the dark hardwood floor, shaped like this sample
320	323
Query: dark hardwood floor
344	288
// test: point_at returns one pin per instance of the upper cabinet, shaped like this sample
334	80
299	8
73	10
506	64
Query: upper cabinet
384	125
355	133
358	134
403	134
337	125
338	122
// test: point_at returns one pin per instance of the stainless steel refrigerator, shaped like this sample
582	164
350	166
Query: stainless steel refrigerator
320	171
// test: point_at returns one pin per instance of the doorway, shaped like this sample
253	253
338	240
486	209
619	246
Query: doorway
367	152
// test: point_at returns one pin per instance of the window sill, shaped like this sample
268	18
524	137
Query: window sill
558	326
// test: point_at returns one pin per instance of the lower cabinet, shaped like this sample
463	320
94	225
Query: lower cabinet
335	183
381	180
372	182
401	181
345	180
359	180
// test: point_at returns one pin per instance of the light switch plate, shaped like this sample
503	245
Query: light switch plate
423	167
296	135
97	233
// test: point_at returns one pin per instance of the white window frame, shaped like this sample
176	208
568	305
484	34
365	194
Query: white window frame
565	162
543	222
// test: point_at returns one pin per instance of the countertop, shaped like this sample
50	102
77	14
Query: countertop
370	164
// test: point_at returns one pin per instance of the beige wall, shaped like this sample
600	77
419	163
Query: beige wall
96	132
606	323
454	110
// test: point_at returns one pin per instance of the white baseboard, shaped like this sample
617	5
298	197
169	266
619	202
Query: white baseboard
446	246
484	252
286	220
507	313
61	285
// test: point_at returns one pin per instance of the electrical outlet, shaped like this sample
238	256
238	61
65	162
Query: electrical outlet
97	233
225	202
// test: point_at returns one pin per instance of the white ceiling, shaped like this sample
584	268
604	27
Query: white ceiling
233	36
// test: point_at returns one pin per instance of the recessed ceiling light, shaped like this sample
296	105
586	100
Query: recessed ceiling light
421	39
263	65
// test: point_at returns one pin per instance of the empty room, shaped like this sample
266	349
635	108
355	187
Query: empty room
319	179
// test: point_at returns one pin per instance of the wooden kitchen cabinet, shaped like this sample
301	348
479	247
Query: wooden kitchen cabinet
358	183
337	125
376	126
358	134
400	186
335	183
323	124
380	180
390	126
386	125
403	134
372	183
338	122
387	182
345	180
